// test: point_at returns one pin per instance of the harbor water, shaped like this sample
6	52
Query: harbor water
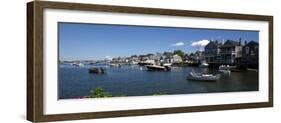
134	80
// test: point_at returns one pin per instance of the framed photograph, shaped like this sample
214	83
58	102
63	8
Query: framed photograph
96	61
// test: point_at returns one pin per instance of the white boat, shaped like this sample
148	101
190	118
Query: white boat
134	63
77	64
115	65
167	64
92	63
225	69
204	64
202	77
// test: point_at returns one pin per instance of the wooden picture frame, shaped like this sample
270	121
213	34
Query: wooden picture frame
35	65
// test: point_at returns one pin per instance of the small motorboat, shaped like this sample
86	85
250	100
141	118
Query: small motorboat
225	69
92	63
167	64
202	77
77	64
204	64
158	68
97	70
134	63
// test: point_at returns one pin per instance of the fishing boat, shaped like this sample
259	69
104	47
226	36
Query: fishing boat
97	70
202	77
158	68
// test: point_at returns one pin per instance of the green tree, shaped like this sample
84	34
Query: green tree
191	54
99	93
179	53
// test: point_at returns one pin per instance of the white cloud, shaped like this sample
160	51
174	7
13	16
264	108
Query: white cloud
200	44
108	58
178	44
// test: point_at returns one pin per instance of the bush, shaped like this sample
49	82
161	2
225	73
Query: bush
99	93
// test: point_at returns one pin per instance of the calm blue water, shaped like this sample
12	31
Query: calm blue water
132	80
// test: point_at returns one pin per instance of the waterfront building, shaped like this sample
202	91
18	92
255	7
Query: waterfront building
192	58
168	57
158	57
176	59
231	52
134	59
250	54
199	55
186	58
143	57
119	60
212	52
150	56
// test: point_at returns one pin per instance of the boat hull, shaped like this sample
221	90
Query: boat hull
158	68
97	70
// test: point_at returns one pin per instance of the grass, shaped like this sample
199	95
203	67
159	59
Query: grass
99	92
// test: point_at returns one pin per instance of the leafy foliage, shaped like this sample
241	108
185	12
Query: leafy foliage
179	53
99	93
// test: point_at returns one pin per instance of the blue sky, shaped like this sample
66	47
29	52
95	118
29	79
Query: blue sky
97	41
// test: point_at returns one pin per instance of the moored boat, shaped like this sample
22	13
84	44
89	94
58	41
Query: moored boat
202	77
167	64
204	64
97	70
92	63
134	63
225	69
77	64
158	68
115	65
